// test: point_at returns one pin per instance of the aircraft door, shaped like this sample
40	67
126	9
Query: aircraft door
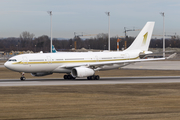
49	60
127	56
25	60
96	58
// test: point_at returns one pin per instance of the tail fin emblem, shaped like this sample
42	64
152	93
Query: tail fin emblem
145	38
53	49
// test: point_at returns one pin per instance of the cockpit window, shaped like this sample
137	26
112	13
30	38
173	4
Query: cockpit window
14	60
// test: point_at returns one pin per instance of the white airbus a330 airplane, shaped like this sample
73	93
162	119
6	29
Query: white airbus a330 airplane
82	64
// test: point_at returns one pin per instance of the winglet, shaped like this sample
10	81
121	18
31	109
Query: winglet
171	56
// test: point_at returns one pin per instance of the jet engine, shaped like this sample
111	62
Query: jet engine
41	74
82	72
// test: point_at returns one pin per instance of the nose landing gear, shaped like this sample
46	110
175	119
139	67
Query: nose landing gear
22	78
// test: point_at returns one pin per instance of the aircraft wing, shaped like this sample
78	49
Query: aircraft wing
98	64
124	62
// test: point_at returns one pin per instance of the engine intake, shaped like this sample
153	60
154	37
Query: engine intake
82	72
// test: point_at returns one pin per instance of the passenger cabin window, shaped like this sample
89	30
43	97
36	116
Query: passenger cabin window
13	60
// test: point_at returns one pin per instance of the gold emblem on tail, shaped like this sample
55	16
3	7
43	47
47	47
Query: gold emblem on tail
145	38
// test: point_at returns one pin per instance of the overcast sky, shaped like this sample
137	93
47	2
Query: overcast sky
87	16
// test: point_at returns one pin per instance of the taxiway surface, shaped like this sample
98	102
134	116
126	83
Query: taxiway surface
105	80
1	65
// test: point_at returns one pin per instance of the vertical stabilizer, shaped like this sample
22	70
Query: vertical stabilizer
53	49
142	41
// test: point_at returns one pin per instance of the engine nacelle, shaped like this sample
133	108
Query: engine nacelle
41	74
82	72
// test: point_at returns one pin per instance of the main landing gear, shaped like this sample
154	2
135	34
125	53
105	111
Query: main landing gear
22	78
69	77
94	77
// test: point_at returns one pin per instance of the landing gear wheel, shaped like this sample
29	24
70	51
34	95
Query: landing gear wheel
65	77
97	77
94	77
69	77
22	78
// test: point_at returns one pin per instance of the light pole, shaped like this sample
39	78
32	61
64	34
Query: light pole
50	13
108	14
162	13
35	48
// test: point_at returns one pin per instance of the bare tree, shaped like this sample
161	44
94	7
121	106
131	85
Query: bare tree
102	35
26	36
26	40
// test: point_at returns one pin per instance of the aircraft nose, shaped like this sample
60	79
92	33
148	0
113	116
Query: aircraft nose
7	65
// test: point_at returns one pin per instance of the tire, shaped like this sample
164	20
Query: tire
22	78
97	77
92	78
65	77
69	77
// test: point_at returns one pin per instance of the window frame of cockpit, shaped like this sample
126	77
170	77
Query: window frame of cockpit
12	60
